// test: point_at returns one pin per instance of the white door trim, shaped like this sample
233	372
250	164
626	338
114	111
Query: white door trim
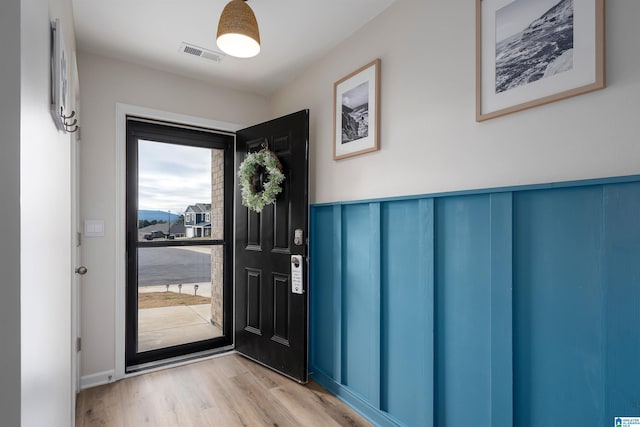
122	111
76	250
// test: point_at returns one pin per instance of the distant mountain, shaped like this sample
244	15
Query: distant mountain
543	49
156	215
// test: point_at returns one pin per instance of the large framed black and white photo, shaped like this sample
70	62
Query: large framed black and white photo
356	114
532	52
59	76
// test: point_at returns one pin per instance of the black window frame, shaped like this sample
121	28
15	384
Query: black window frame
173	133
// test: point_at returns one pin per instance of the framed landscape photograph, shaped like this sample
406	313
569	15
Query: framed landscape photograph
532	52
356	112
59	76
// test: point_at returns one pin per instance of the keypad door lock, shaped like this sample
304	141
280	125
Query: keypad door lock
298	237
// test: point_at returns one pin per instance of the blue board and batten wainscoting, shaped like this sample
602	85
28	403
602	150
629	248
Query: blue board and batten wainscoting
505	307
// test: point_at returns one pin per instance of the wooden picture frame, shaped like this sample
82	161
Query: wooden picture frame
356	112
533	52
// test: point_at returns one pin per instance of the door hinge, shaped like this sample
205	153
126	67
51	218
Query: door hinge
78	344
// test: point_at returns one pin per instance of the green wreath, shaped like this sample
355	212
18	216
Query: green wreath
257	163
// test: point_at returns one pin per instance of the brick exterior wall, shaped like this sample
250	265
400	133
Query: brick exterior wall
217	232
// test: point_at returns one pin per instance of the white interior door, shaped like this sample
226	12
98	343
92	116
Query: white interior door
76	257
76	241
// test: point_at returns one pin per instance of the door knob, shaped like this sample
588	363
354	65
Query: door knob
81	270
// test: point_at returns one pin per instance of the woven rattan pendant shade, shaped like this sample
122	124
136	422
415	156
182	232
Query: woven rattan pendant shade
238	33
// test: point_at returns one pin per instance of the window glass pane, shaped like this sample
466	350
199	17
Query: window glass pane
180	192
179	295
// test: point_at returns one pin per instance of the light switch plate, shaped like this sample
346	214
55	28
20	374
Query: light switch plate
93	228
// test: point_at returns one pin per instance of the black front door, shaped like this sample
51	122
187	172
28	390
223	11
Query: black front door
271	319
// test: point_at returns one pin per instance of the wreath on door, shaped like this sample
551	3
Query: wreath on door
260	179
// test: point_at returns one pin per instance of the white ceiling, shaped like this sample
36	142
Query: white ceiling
294	34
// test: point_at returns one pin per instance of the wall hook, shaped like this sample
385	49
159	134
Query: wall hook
73	113
69	127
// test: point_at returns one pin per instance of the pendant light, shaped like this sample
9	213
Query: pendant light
238	33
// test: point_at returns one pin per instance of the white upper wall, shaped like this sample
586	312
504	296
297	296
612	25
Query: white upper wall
10	211
104	83
430	141
45	229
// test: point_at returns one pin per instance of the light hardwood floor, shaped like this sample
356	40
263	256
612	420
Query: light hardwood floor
226	391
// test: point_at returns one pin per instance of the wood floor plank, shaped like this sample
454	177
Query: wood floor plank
229	391
103	408
311	411
268	378
335	408
270	410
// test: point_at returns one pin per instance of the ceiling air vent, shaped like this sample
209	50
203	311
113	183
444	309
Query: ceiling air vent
201	52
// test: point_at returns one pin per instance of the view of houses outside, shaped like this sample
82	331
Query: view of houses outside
195	222
179	287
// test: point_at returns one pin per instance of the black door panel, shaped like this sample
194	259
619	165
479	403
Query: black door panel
271	321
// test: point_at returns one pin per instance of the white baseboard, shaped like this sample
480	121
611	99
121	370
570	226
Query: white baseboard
93	380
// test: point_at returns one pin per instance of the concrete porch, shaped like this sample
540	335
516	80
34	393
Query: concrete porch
168	326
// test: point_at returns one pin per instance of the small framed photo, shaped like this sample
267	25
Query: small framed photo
356	112
532	52
59	76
